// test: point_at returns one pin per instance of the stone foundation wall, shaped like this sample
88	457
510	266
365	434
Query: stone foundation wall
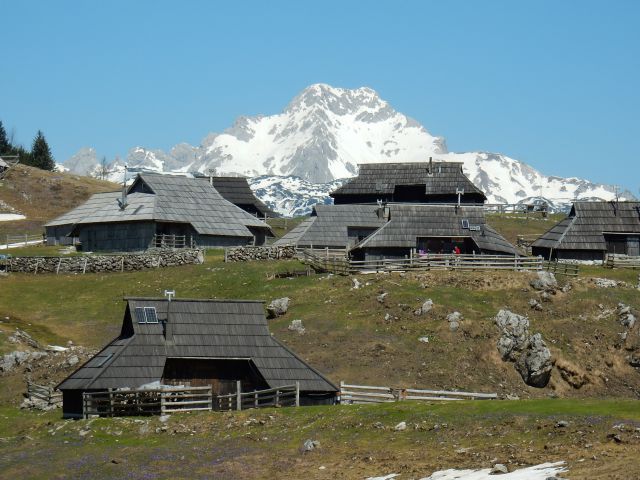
106	263
246	254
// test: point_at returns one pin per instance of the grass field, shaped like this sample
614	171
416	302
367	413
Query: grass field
354	441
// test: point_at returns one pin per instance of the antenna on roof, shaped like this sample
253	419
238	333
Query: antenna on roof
459	192
169	294
212	172
122	202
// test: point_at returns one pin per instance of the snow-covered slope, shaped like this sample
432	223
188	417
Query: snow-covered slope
321	136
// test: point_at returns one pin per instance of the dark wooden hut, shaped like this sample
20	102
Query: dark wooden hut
161	205
592	230
194	343
237	191
427	182
393	230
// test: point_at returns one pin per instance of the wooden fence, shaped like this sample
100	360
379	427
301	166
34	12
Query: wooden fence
361	394
557	268
117	403
172	241
343	266
286	396
46	394
23	239
622	261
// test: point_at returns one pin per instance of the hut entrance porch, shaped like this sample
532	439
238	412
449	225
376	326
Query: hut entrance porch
426	245
221	374
622	243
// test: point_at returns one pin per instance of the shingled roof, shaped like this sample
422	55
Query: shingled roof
408	222
220	329
382	179
328	225
237	191
587	223
168	198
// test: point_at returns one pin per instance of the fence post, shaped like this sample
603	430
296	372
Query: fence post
162	403
26	240
58	267
111	403
84	268
122	264
238	396
84	406
277	398
297	393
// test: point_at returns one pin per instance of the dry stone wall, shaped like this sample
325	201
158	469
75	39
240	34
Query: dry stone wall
246	254
106	263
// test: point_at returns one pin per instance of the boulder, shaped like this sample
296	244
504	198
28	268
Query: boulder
514	333
425	308
381	297
310	445
278	307
535	304
534	364
545	281
296	326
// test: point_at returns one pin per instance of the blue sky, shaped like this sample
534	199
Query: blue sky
554	84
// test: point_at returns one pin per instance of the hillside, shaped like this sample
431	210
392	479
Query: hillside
352	336
42	195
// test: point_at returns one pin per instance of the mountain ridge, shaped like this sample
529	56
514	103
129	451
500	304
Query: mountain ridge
321	136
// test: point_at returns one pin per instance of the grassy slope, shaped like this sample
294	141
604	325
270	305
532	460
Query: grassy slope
512	225
355	441
347	334
42	195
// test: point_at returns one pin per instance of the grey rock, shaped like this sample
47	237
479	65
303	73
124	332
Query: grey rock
454	317
355	284
545	296
382	296
296	326
73	360
544	281
164	418
278	307
310	445
605	283
453	326
425	308
535	304
498	468
400	427
562	424
534	363
514	333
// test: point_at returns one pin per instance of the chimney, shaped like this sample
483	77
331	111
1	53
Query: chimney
122	202
430	167
168	330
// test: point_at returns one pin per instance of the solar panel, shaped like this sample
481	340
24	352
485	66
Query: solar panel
150	313
140	316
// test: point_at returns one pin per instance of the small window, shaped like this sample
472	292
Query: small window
465	223
150	313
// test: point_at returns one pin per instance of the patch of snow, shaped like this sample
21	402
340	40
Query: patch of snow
543	471
8	217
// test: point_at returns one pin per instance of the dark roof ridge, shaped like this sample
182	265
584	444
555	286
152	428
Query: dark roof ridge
203	300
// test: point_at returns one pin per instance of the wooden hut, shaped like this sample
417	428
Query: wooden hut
158	207
394	230
592	230
58	230
194	343
237	191
426	182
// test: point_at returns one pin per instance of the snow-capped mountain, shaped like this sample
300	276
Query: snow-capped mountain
321	136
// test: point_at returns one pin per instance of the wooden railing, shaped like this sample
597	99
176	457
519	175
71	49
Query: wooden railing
22	240
343	266
360	394
622	261
557	268
285	396
46	394
116	403
172	241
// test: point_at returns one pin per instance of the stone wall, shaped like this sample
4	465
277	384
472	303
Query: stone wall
106	263
246	254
